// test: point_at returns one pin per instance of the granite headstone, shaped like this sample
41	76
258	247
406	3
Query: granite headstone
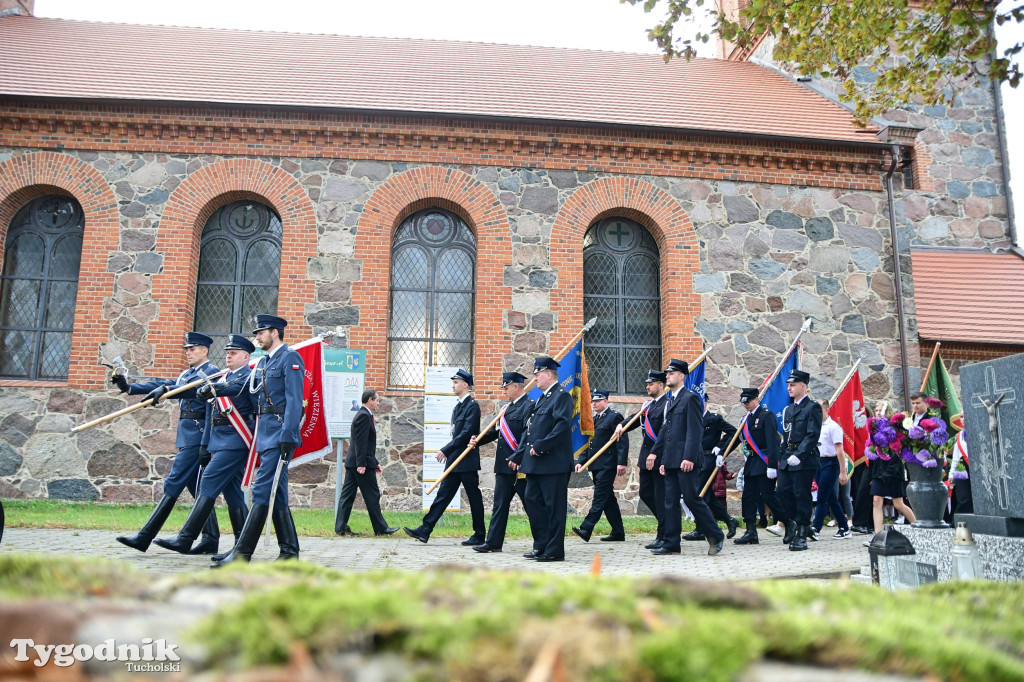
992	394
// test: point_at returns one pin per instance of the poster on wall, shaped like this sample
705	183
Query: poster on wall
344	381
438	403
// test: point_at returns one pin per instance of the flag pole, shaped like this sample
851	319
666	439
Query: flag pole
931	364
444	474
845	381
627	425
760	394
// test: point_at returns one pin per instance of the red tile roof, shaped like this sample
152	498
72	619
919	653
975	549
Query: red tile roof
969	296
101	61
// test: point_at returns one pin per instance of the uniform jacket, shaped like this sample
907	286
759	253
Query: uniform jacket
604	429
224	436
284	377
764	430
192	417
680	435
465	425
802	428
655	413
717	434
516	416
362	445
549	433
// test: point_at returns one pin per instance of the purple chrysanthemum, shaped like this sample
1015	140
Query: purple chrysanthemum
922	455
916	432
959	476
930	464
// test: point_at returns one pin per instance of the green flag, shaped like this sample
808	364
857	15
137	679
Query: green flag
940	386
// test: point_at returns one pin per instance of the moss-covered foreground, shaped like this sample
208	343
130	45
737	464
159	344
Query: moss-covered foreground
455	623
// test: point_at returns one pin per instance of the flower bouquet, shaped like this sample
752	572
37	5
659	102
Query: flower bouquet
925	444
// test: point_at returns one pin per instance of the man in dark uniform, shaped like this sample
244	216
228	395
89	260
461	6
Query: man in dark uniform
717	435
277	384
507	481
605	468
361	469
230	423
465	425
191	421
759	434
798	462
652	483
679	445
545	456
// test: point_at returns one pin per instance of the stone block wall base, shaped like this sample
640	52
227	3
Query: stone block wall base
1002	558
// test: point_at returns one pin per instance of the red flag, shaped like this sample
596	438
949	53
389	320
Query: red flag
848	411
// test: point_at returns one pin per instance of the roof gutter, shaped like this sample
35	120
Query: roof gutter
894	150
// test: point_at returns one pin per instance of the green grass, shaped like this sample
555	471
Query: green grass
309	522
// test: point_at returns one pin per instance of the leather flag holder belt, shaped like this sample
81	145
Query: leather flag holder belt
271	409
192	414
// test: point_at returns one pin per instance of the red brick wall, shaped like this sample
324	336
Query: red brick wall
33	175
392	202
185	215
956	354
665	219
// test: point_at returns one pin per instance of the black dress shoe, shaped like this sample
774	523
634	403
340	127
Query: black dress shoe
715	548
613	538
473	541
732	524
531	555
694	535
861	530
665	550
585	534
658	542
485	548
390	530
546	558
416	533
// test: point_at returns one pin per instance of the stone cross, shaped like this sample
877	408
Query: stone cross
1001	447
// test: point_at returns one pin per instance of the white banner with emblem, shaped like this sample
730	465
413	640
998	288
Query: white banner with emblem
438	403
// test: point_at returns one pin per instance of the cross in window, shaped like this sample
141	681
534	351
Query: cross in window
619	233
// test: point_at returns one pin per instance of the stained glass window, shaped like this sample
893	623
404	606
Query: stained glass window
622	289
433	258
239	269
38	289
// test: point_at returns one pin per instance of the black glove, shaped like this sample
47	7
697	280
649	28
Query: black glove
156	394
287	450
119	381
204	392
204	456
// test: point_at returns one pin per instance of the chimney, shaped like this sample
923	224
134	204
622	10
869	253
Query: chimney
23	8
731	10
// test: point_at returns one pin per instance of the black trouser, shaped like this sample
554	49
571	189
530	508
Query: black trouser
506	487
862	504
759	490
717	505
962	502
548	495
679	482
652	493
794	493
446	492
366	484
604	501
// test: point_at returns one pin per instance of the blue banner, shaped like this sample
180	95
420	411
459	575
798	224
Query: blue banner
573	377
695	381
777	397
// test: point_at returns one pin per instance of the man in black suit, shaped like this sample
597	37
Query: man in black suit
361	469
679	445
652	483
717	435
759	434
801	425
605	468
545	456
465	425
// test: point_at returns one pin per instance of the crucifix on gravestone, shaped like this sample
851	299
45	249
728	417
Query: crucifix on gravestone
1000	477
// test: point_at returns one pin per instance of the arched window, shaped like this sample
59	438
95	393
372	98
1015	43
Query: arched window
621	287
38	289
239	269
433	258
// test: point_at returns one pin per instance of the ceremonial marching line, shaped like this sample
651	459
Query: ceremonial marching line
245	412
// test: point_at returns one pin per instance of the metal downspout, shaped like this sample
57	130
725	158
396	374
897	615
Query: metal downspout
898	274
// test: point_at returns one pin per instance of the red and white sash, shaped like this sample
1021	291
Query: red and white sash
506	433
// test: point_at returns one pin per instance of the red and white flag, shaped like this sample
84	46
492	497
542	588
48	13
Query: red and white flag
848	411
313	430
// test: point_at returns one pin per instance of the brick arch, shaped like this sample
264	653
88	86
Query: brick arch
184	216
29	176
393	201
677	242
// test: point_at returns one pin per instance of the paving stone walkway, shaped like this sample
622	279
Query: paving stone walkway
769	559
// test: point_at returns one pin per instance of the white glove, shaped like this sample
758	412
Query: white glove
740	480
719	461
773	473
716	450
794	461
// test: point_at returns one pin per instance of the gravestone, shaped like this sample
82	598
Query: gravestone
992	394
